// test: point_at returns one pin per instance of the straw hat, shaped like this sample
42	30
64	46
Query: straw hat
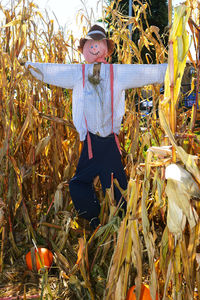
97	33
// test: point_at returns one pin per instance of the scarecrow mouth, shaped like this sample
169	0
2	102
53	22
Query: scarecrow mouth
95	54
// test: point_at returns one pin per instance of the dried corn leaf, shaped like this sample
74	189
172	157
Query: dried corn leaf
116	261
58	198
161	152
19	182
168	277
180	187
62	236
80	250
1	217
148	237
187	159
22	132
42	144
3	150
62	261
136	255
164	251
186	267
119	287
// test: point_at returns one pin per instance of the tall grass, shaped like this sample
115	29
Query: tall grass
39	151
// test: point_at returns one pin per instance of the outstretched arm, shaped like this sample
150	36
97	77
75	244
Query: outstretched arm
135	76
61	75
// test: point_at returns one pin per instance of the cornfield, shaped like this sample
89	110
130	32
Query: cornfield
158	240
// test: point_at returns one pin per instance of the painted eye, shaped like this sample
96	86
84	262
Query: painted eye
91	47
96	46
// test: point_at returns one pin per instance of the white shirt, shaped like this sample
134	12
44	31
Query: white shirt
95	102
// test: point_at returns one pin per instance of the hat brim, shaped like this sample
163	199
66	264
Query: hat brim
110	43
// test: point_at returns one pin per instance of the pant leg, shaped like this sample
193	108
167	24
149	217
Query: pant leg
81	188
112	164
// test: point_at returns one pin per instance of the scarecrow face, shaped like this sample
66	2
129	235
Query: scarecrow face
94	51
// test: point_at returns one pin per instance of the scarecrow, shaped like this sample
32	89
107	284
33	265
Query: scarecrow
98	105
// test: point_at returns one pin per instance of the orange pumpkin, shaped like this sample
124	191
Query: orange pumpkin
45	259
145	293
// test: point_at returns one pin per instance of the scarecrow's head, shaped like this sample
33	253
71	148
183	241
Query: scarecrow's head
95	46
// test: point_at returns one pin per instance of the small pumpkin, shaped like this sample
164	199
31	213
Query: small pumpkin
145	293
37	260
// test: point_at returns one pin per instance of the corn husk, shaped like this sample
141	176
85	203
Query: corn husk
180	188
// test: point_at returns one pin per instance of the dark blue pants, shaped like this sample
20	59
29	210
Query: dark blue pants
106	160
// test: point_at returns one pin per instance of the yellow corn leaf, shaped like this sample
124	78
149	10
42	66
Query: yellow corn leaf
116	260
74	224
192	248
146	140
42	144
123	192
148	237
177	270
65	146
168	276
24	127
132	199
134	138
127	247
118	291
143	41
80	250
12	126
164	250
19	182
20	40
187	159
186	266
179	41
135	49
156	30
13	23
67	172
136	255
